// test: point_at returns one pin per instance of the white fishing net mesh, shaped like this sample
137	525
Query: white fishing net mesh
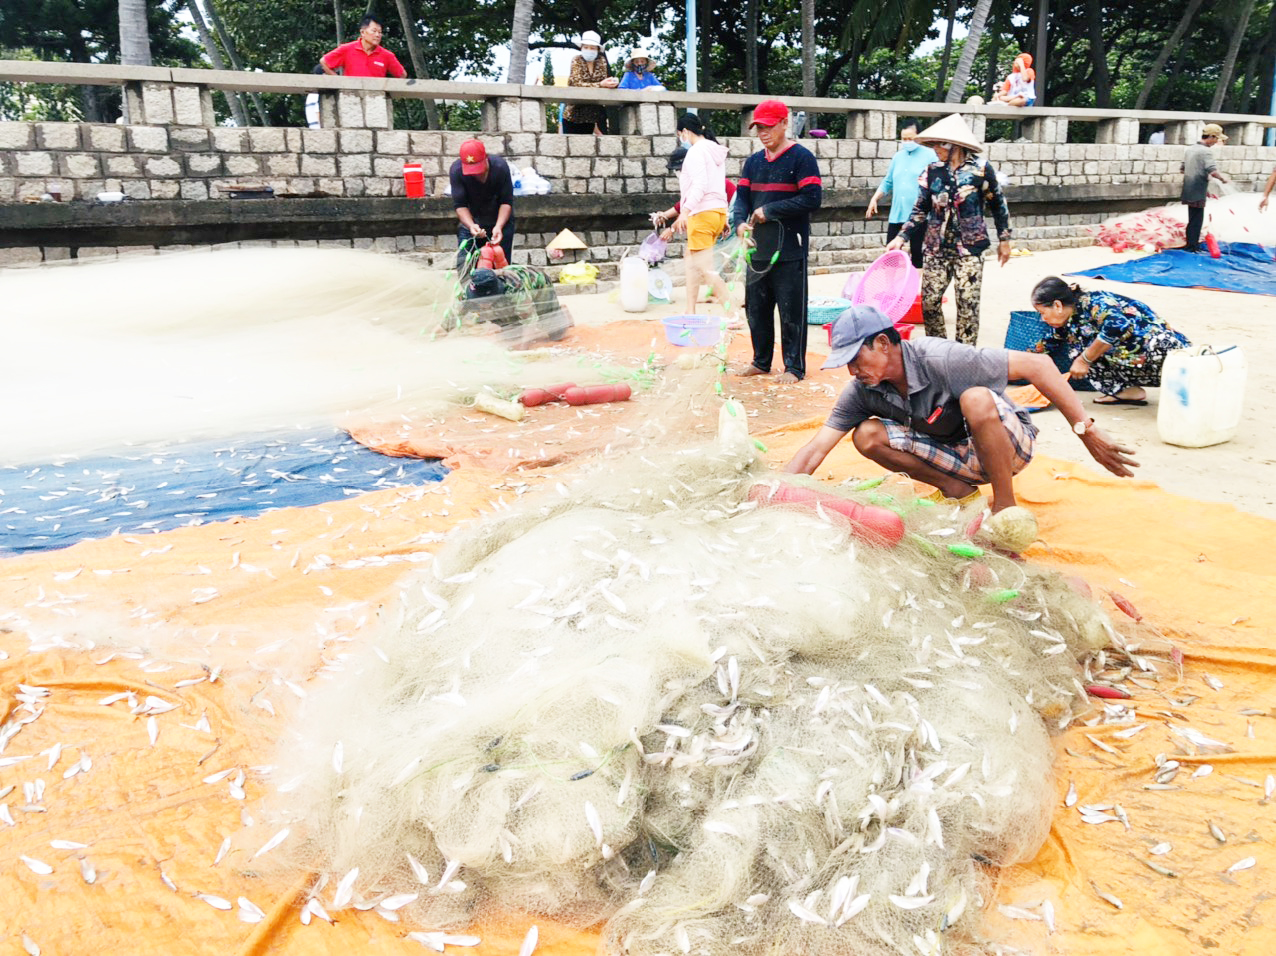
160	349
716	726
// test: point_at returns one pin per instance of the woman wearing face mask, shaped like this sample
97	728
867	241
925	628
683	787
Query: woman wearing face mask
589	68
901	184
638	75
702	208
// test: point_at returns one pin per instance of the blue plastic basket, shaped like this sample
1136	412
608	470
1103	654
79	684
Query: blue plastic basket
1026	329
824	310
701	330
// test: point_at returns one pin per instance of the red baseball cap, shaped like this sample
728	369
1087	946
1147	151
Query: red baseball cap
769	112
473	157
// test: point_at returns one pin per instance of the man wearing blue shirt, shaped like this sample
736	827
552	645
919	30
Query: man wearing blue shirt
901	184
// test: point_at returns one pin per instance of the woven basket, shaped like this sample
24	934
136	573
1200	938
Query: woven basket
824	310
1026	329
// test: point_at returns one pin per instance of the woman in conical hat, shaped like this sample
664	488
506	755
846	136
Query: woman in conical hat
956	193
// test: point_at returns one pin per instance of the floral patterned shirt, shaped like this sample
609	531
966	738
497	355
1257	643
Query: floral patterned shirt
1125	324
585	73
952	205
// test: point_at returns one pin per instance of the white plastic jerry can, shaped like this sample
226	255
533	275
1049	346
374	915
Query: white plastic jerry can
633	284
1202	395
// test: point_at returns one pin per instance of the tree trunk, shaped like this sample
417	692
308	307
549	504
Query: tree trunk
1229	61
1043	44
705	25
1171	44
990	78
853	78
418	62
1247	83
1098	54
948	50
215	57
808	47
336	19
518	40
233	55
751	46
135	38
90	106
957	90
1163	97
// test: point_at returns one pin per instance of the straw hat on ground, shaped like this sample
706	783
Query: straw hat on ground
951	129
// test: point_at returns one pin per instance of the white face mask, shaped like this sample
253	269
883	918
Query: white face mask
589	55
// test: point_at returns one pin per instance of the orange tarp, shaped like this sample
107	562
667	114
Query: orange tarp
230	623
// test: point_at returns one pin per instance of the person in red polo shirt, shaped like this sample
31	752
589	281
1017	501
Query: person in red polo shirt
364	56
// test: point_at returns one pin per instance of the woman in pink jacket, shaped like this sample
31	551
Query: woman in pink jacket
702	213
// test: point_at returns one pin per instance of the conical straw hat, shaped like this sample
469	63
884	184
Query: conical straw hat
566	240
951	129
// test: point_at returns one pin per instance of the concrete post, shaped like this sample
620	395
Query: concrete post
328	113
1046	129
513	115
868	124
378	111
1182	134
648	119
157	104
193	105
1117	132
1244	134
134	109
350	109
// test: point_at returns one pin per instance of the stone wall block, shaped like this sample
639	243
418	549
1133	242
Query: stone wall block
378	112
123	166
204	164
266	140
392	142
555	144
349	110
318	165
318	140
425	144
157	104
229	140
282	164
606	166
17	135
388	168
190	138
136	188
356	141
354	164
194	189
533	118
329	110
193	105
35	164
577	168
520	144
164	189
330	187
105	139
242	165
57	135
582	144
162	167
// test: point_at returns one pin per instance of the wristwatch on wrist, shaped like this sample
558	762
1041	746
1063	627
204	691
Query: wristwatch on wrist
1081	427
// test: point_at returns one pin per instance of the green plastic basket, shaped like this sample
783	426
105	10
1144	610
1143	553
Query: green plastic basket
825	309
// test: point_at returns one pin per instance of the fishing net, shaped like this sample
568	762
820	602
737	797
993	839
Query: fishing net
171	348
1230	216
718	726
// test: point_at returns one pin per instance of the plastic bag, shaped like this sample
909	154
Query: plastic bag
579	273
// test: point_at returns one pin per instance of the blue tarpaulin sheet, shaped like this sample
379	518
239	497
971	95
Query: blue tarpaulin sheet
1244	267
43	507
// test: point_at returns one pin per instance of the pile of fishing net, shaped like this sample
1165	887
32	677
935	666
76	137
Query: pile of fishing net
190	345
1230	216
715	725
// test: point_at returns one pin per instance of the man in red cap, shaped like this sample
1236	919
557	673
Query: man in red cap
778	190
483	196
364	56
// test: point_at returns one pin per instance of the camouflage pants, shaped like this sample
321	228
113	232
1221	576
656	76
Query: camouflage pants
966	273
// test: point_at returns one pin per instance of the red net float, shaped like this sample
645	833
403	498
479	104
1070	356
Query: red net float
597	394
878	525
539	396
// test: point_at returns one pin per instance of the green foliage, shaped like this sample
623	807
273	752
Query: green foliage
32	102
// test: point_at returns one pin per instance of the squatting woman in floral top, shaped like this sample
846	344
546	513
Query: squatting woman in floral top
956	193
1118	343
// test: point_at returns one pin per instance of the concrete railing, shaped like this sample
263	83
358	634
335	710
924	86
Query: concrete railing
162	96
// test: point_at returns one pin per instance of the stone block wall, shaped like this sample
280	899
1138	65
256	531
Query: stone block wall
198	162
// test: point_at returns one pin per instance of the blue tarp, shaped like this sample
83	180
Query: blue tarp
44	507
1244	267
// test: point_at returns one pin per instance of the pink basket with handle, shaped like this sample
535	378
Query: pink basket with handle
890	283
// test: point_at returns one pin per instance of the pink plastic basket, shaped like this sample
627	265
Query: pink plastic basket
890	283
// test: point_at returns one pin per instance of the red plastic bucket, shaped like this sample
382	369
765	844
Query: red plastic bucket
414	180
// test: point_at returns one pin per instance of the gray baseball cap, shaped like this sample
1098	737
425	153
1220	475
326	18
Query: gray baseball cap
853	328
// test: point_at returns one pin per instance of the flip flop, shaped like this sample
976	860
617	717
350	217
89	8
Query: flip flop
1121	401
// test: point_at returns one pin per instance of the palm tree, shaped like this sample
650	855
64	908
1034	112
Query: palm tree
135	38
1233	48
1171	44
418	61
518	41
808	47
961	76
215	57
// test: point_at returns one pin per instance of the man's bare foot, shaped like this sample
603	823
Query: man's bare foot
786	378
747	370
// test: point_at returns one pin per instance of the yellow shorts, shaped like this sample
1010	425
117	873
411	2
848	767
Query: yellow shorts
704	228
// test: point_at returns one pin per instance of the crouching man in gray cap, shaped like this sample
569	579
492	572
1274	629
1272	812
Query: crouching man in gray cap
937	411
